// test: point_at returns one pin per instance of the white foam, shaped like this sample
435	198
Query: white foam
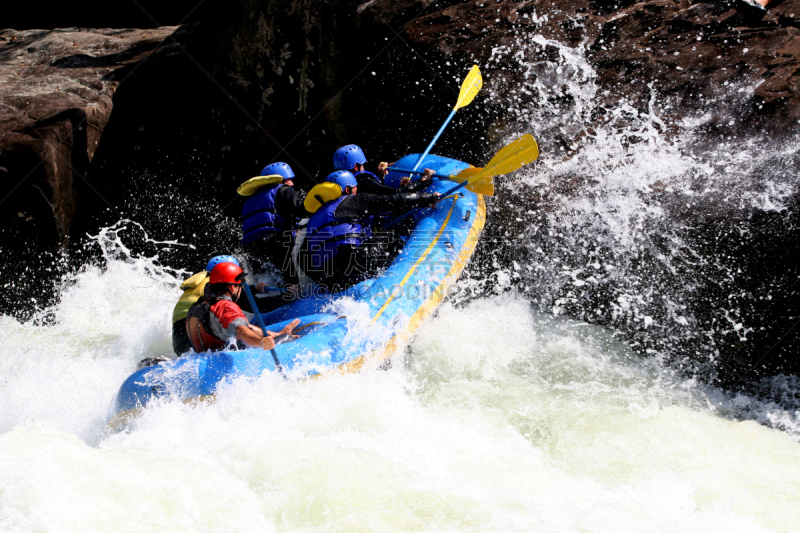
502	419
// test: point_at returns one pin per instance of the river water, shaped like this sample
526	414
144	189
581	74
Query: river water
508	412
497	417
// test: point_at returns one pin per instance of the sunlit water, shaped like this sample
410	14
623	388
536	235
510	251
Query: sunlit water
502	415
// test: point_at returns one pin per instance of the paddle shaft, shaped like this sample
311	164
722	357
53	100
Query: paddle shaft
261	324
440	176
435	138
454	189
276	289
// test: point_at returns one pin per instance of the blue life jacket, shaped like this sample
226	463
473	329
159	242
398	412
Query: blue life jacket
326	234
260	217
368	173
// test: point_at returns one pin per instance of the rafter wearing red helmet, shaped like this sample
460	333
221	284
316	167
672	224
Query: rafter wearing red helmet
215	321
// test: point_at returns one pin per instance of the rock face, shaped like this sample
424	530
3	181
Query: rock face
688	51
55	101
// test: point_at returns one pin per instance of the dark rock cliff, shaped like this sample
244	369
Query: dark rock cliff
259	80
55	102
56	99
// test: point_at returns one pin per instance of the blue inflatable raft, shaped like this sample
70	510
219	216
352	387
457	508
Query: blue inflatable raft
339	333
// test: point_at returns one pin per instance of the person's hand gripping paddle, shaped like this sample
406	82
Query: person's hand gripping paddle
512	157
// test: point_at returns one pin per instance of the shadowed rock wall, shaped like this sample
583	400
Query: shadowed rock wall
55	102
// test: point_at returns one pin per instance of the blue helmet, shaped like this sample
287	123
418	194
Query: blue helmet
221	259
281	169
342	178
346	157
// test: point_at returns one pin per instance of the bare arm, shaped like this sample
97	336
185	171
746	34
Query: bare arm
252	336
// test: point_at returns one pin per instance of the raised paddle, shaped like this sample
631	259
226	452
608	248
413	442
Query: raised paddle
510	158
484	185
469	88
261	324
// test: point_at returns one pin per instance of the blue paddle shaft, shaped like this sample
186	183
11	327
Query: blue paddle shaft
261	324
276	289
405	170
454	189
259	318
435	138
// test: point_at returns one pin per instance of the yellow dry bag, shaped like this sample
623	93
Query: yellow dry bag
320	194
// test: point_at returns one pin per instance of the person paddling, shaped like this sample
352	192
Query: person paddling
269	216
339	248
351	158
214	321
195	288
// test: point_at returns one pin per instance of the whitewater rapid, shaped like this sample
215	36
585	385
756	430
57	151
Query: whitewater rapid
495	418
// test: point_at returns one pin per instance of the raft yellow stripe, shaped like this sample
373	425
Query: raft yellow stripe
428	307
419	261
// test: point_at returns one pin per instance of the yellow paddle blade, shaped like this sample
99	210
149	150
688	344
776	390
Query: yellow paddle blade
481	184
466	174
469	173
486	189
512	157
470	87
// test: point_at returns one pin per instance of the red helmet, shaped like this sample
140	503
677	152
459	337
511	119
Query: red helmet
226	273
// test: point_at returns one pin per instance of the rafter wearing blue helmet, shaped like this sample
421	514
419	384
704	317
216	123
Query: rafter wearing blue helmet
343	179
269	217
221	259
348	157
339	247
279	169
352	158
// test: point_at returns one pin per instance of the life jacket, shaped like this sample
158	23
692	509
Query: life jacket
199	329
260	216
193	289
368	173
326	234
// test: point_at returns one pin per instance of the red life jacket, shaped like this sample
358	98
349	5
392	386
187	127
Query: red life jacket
199	329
